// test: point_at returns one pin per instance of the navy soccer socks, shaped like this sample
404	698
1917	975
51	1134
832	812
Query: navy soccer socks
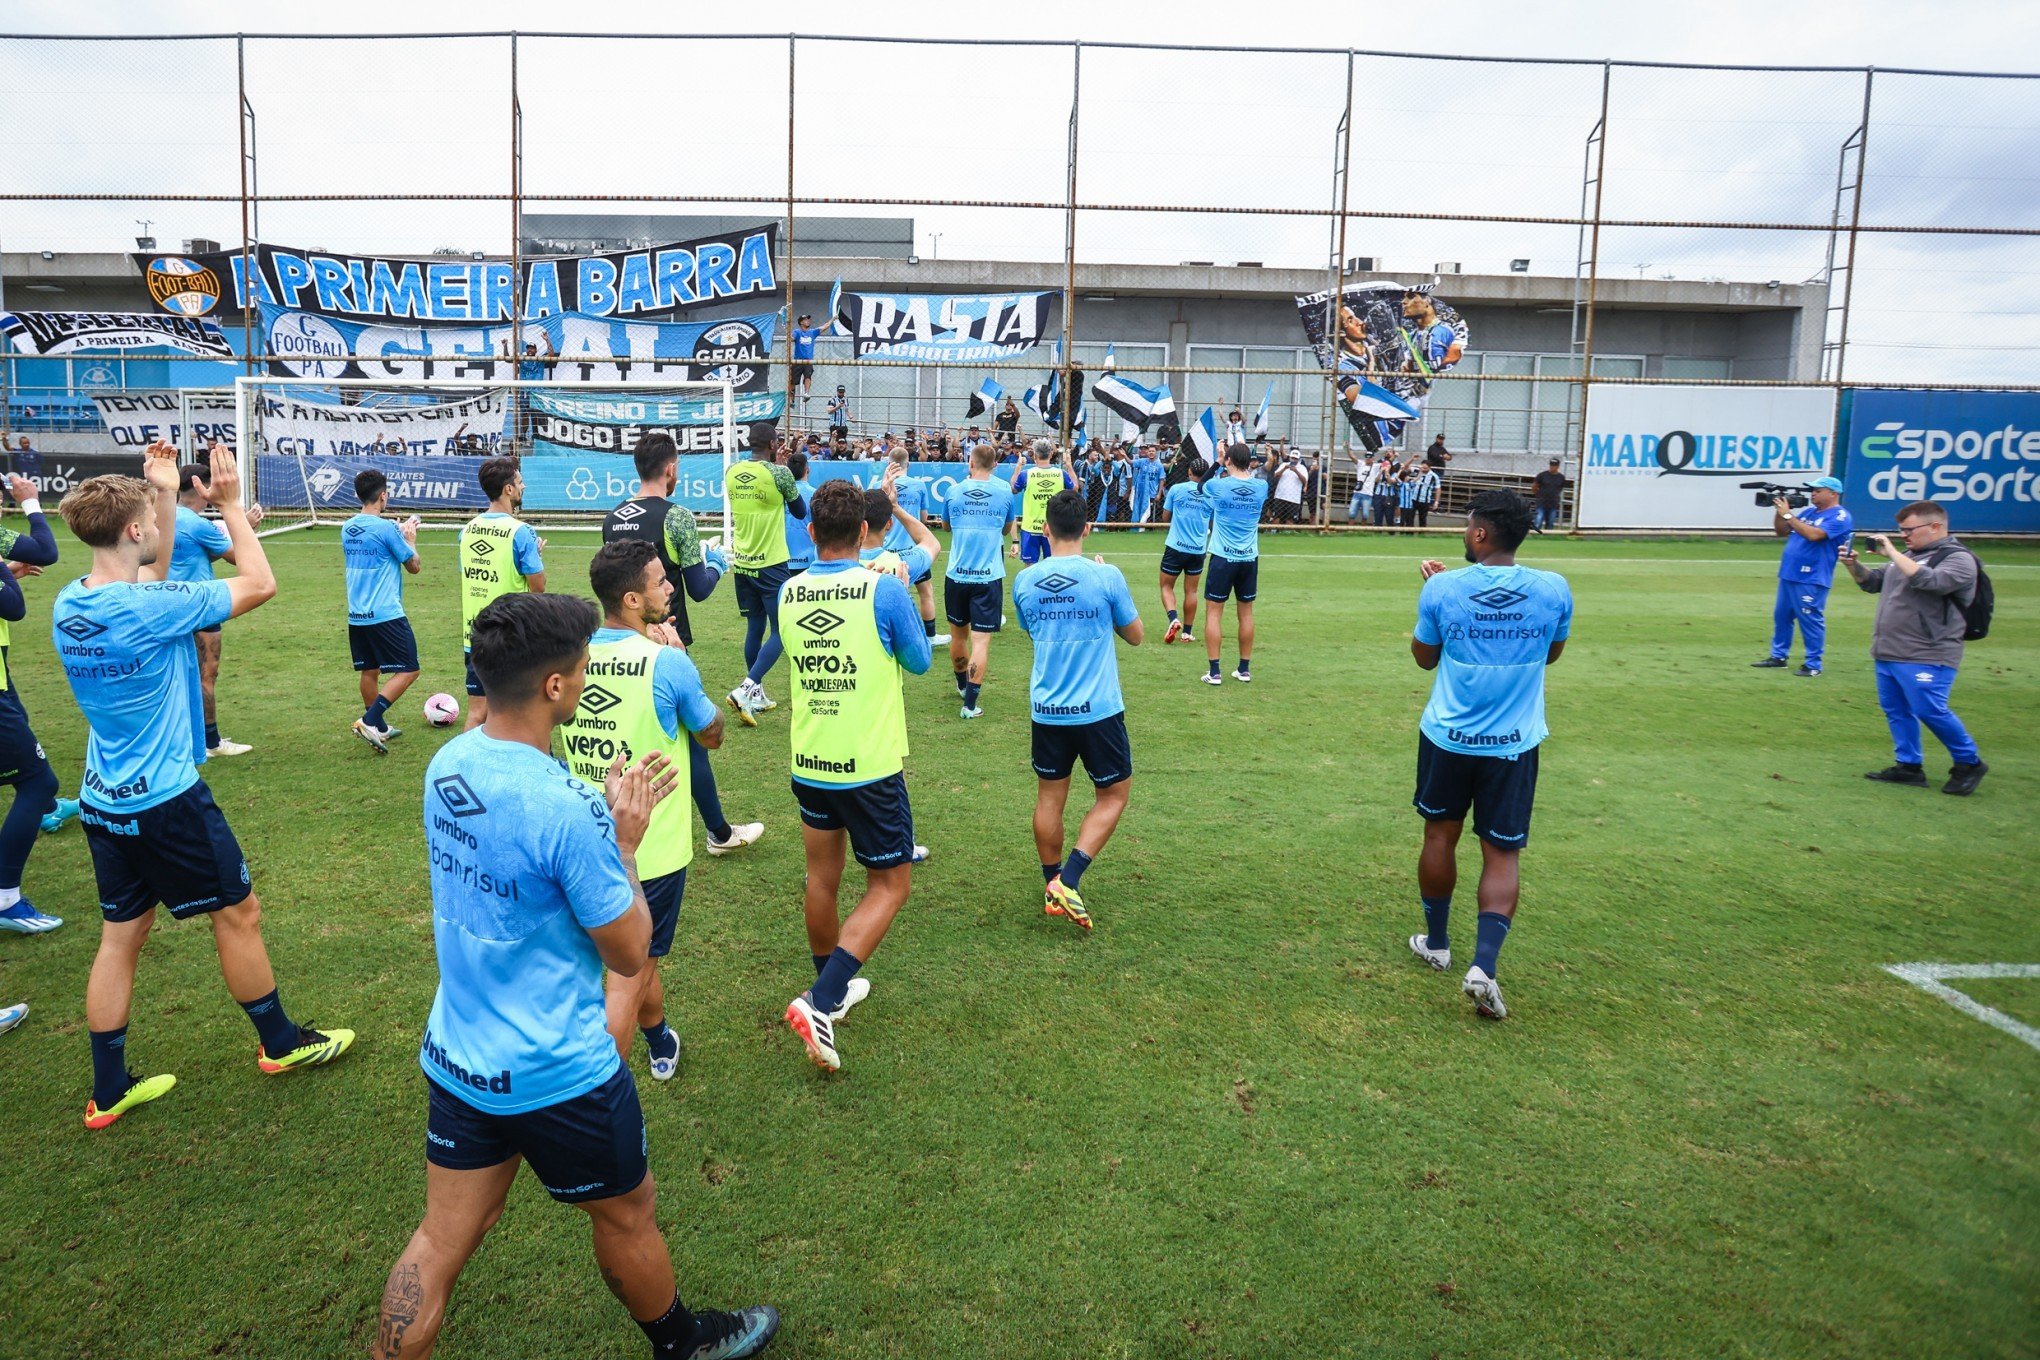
1491	930
1437	912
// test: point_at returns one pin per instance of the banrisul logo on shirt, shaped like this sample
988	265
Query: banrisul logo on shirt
457	797
820	622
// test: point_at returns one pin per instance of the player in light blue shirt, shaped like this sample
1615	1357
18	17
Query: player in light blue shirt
800	533
123	636
1814	537
1488	630
1188	511
378	552
1147	481
912	494
199	543
1237	496
1072	607
981	508
534	893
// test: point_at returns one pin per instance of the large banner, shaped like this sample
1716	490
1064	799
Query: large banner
136	420
1676	457
943	328
307	429
328	482
1977	453
570	348
1386	344
72	332
656	281
565	423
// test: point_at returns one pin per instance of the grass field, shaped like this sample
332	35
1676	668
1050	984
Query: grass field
1239	1119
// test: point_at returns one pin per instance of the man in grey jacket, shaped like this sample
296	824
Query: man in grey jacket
1916	642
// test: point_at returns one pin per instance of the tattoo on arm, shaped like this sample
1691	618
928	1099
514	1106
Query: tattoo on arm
403	1299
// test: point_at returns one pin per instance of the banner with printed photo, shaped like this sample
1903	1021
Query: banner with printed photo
1384	338
566	423
1676	457
287	425
136	420
75	332
943	328
656	281
1976	453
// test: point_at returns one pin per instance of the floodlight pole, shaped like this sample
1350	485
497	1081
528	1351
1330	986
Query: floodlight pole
1069	398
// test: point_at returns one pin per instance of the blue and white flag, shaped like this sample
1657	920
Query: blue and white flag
1139	405
986	398
1261	415
1042	397
835	301
1110	361
1202	438
1129	434
1363	398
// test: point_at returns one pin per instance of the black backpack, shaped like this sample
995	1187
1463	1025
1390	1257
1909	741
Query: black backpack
1976	614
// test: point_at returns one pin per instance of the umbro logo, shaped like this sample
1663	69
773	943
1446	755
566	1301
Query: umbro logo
1497	597
460	800
1055	583
976	493
78	628
629	511
820	622
595	701
355	531
482	547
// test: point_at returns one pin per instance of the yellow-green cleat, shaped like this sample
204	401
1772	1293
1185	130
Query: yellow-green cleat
313	1048
1064	900
142	1092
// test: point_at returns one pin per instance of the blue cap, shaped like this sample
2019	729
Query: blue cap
1829	483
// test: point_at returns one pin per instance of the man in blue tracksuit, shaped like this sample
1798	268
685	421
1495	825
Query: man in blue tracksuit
1813	536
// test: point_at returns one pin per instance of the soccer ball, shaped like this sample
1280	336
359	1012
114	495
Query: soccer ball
442	710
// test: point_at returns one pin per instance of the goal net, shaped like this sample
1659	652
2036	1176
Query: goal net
303	441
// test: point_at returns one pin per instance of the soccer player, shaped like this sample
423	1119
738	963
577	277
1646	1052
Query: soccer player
1237	498
800	536
911	493
974	587
496	551
805	333
850	631
653	516
1814	537
123	633
761	495
22	763
1188	511
378	552
535	889
643	695
1071	607
1036	484
1488	630
200	543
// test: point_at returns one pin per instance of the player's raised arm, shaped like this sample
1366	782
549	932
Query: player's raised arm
159	470
256	582
38	546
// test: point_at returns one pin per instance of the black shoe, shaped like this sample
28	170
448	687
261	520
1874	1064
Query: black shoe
1901	774
1963	779
1770	663
732	1336
1805	669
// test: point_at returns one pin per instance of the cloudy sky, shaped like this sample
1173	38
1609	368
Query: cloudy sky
877	120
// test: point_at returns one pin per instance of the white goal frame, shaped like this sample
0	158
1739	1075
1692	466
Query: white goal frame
247	384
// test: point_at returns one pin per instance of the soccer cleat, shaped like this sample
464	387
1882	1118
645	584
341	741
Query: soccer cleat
314	1047
391	733
64	811
1066	901
858	989
1963	779
816	1030
1243	677
969	712
732	1336
13	1015
1486	994
226	746
1769	663
939	640
1187	635
664	1065
1210	679
1440	959
1899	774
1173	631
920	853
762	701
740	704
24	919
741	835
1806	670
144	1090
373	736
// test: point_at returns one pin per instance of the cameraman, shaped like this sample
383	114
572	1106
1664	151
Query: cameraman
1814	536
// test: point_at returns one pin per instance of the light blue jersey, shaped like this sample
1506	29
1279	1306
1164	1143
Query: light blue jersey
980	508
677	696
127	651
199	543
1807	562
912	495
1236	516
800	532
376	553
1189	518
1147	480
1070	607
524	865
914	558
1496	625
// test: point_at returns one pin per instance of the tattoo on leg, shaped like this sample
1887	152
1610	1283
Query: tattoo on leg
403	1299
614	1281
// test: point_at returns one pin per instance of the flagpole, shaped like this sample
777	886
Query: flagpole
1069	398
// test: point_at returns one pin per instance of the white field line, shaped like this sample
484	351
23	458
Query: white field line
1928	977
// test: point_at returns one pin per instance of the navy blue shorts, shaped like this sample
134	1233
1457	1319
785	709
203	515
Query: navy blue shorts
662	895
1101	745
594	1146
387	646
1033	547
981	604
21	755
877	816
474	681
1499	789
180	853
759	594
1224	577
1176	562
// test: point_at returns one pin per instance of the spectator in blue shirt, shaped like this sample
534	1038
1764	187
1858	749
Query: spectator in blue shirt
805	332
1814	536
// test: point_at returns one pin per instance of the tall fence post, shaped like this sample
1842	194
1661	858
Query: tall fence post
1855	222
248	220
1069	398
1593	284
791	42
1342	177
516	224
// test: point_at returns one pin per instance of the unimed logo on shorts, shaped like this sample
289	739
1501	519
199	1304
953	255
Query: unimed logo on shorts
596	701
820	622
78	628
460	800
1497	597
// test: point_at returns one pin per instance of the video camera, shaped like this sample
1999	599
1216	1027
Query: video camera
1795	496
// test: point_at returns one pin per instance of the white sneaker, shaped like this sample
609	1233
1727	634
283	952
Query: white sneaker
939	640
1486	994
13	1015
1210	679
858	989
740	704
1242	677
762	701
920	853
664	1068
374	736
970	712
816	1030
1440	959
229	747
741	835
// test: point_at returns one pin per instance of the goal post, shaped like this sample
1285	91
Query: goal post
304	440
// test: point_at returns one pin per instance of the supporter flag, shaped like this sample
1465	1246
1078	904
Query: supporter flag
1129	434
835	298
1139	405
1201	439
1261	415
986	398
1041	398
1110	362
1363	398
